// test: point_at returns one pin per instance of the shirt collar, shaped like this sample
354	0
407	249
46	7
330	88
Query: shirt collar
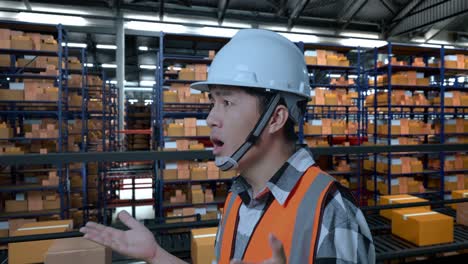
282	182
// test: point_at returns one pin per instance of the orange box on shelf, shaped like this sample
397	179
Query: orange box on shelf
203	130
175	130
170	174
310	60
198	173
462	214
422	227
227	174
22	44
458	194
399	199
183	174
14	206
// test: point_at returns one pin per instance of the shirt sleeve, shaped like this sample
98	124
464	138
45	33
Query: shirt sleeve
344	236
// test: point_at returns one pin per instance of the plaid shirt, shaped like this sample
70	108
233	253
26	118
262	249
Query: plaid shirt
344	236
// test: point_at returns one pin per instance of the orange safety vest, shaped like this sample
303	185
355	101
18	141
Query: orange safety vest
295	223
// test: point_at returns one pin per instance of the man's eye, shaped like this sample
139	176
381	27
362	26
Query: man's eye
227	103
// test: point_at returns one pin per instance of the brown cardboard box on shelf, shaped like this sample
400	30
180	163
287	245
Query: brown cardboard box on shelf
422	227
202	245
183	174
6	132
12	95
203	130
227	174
36	249
170	174
22	44
399	199
14	224
77	250
198	173
35	201
52	205
13	206
310	60
175	130
462	214
76	201
458	194
198	197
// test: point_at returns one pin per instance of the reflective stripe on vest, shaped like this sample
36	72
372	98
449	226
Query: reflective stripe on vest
301	212
227	210
307	223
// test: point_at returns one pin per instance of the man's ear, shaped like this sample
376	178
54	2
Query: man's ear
278	119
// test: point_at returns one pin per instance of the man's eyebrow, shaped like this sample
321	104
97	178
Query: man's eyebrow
221	92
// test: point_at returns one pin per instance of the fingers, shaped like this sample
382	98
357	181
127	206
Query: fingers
278	251
128	220
108	239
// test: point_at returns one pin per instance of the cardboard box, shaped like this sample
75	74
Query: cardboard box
6	132
170	174
400	199
422	227
36	250
14	224
77	250
22	44
198	173
458	194
198	197
203	131
35	201
55	204
462	214
175	130
310	60
202	245
13	206
11	95
183	174
227	174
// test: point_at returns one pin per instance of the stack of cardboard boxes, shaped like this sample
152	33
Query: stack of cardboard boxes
397	98
196	72
335	97
412	78
181	93
45	128
326	57
188	127
403	127
418	225
5	131
456	61
42	90
398	164
327	126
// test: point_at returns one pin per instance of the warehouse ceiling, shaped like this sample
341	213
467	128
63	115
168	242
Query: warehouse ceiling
422	21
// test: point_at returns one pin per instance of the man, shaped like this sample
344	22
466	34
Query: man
282	209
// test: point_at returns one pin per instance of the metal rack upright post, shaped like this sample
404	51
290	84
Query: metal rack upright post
17	111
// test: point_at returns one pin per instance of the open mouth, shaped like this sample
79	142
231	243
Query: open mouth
217	142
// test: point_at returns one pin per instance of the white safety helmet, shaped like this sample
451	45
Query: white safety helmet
261	59
266	61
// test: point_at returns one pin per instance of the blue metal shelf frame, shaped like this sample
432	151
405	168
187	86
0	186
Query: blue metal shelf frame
60	113
357	116
440	87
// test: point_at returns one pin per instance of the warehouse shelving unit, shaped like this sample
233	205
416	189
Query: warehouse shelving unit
388	110
324	79
15	113
173	110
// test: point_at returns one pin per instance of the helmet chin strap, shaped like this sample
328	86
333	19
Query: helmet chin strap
226	163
